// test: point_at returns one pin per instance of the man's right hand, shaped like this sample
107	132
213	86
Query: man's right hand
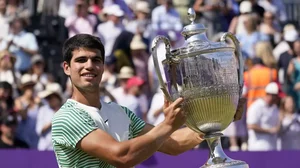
174	114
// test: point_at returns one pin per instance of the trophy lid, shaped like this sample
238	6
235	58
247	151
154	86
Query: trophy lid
194	31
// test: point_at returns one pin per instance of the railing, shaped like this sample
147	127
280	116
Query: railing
293	11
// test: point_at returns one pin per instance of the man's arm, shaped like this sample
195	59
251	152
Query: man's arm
179	141
129	153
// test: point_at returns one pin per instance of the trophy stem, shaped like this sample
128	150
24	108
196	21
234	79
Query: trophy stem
217	157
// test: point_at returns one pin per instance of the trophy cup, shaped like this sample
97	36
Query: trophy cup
210	78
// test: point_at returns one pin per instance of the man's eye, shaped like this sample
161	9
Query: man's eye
81	60
97	60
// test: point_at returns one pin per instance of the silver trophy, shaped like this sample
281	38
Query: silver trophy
209	75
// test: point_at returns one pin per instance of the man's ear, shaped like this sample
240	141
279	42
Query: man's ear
66	67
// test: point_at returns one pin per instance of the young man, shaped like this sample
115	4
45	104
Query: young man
90	133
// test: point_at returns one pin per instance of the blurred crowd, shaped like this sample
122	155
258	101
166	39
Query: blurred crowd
33	85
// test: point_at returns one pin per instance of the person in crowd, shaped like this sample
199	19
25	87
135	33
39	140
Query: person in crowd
256	79
27	106
263	121
269	27
113	25
125	74
6	97
110	77
290	125
38	72
4	20
165	18
8	139
21	43
290	35
293	73
53	100
263	50
82	21
7	70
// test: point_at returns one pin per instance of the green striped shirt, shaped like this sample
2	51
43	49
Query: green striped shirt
74	121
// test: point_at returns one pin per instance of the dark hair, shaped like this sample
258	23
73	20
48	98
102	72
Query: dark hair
81	41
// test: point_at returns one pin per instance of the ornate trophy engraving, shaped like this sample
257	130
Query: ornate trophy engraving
210	76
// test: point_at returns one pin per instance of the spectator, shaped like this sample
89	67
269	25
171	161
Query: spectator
212	15
269	27
109	77
38	72
237	23
82	21
256	79
6	98
276	7
290	35
8	139
155	114
165	18
21	43
125	74
294	74
15	8
4	20
263	50
7	70
132	92
263	121
251	37
27	106
290	125
113	25
53	97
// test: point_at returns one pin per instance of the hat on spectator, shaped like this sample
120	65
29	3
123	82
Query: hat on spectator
36	59
27	80
142	6
290	35
7	54
126	72
272	88
137	43
113	10
245	7
9	119
51	89
134	81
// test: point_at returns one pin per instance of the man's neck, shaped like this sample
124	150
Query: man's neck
6	140
87	98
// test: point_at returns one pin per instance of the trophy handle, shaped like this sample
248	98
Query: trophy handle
155	42
238	56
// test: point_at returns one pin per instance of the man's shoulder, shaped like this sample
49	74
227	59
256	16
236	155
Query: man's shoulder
66	111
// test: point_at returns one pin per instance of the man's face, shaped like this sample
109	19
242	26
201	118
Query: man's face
85	68
8	130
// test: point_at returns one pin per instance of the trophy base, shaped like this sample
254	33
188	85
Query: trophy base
231	164
217	157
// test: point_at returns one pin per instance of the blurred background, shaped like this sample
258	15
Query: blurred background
33	85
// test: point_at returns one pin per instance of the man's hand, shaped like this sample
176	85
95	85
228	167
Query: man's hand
174	114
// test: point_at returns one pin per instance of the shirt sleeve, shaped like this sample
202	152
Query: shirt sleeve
69	127
253	114
136	125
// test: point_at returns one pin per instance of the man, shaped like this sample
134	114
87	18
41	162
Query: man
89	133
21	43
52	98
256	79
8	126
263	121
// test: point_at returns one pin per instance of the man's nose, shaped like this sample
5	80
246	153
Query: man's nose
89	64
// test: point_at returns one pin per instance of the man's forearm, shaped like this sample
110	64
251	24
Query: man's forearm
142	147
258	129
180	141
